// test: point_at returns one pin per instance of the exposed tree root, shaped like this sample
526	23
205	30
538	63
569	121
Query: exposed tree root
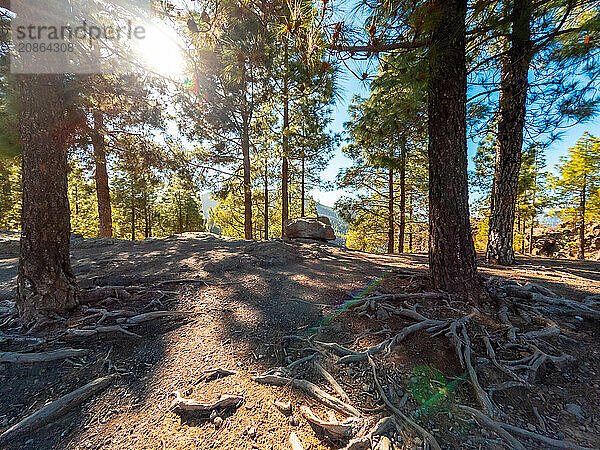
364	442
284	407
554	443
482	396
213	374
333	428
57	408
526	329
312	390
388	344
493	426
181	280
88	332
153	315
332	381
295	442
52	355
189	405
497	428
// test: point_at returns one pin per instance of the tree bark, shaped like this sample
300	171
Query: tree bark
390	246
101	177
247	187
452	262
285	145
303	200
132	210
512	108
266	199
76	201
410	220
533	195
402	227
582	206
45	281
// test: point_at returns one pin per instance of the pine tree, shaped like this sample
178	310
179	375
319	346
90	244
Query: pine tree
578	184
46	282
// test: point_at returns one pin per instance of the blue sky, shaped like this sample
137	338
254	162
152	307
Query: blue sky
350	86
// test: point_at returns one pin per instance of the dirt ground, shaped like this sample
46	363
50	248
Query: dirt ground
245	299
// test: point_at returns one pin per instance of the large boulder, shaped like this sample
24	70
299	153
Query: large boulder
318	228
547	247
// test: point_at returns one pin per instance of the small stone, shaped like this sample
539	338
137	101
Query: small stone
293	421
213	414
284	407
575	410
218	422
531	427
252	432
382	314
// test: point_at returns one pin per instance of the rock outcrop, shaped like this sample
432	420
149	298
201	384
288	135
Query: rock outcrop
318	228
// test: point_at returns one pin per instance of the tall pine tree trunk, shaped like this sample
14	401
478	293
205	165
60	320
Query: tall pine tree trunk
285	145
45	281
266	217
512	108
402	229
452	262
533	195
582	206
302	188
247	187
410	221
101	177
390	246
132	210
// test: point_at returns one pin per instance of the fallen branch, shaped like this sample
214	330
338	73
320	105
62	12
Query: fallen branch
189	405
57	408
53	355
312	390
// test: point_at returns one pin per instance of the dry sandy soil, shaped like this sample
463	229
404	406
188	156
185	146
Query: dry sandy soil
245	299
